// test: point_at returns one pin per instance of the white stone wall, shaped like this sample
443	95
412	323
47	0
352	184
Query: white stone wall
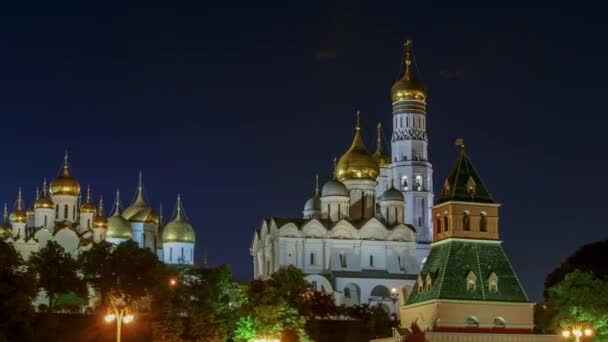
178	253
60	204
44	217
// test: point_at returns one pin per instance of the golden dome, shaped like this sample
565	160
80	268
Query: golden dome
178	230
118	226
408	88
44	201
356	163
100	220
19	214
65	184
139	211
88	207
381	159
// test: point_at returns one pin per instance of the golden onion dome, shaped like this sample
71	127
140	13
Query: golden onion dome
44	201
178	230
357	163
408	88
88	207
19	214
100	220
139	210
118	226
381	159
65	184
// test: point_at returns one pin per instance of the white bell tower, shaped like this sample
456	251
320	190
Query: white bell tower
412	172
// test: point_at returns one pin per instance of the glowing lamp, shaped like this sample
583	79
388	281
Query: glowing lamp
588	332
110	317
172	282
127	319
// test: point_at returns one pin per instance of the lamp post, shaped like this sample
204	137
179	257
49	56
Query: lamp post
577	331
394	299
120	315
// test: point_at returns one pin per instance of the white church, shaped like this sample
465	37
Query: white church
365	235
57	214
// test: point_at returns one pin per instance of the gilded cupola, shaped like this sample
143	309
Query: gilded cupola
19	214
357	163
178	230
139	210
118	226
100	220
381	159
88	207
408	87
65	184
44	201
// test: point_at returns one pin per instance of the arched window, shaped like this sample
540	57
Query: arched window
472	321
438	223
346	292
401	121
483	222
466	221
404	183
65	212
407	121
446	226
45	220
343	263
499	322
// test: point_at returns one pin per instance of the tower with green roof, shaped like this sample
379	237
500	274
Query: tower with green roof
467	283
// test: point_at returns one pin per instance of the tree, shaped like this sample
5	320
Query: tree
581	298
97	268
17	290
57	272
279	320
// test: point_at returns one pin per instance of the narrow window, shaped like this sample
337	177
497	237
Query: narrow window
466	221
347	293
45	220
170	254
483	222
74	213
445	224
65	212
343	260
419	184
182	258
89	223
404	183
371	261
312	258
57	211
401	121
438	223
407	121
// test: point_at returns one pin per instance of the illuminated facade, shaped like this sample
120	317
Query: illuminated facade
57	215
365	234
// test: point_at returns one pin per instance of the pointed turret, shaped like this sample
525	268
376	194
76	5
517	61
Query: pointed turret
44	201
408	88
19	214
119	229
139	210
100	220
5	225
383	160
65	184
178	238
87	207
312	207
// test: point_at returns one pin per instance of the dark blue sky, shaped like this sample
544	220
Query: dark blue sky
237	105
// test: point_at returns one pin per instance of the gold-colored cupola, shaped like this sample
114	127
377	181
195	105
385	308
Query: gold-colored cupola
65	184
408	87
357	163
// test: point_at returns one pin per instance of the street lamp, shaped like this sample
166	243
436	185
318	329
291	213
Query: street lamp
577	331
394	299
173	282
120	315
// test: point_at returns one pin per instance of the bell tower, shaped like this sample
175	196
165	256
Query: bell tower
412	173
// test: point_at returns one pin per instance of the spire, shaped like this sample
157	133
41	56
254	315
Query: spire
117	203
37	193
178	217
5	214
408	59
140	189
100	207
44	188
88	198
66	168
464	183
317	185
379	137
160	214
335	170
358	114
19	200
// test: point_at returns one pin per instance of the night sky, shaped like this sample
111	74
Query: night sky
237	105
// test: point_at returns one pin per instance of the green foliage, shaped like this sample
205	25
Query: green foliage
97	268
279	320
17	290
581	298
57	272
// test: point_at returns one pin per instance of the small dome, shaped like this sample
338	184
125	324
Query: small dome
87	207
381	159
408	88
100	220
357	163
18	214
6	230
313	203
334	188
44	201
392	194
65	184
178	230
139	211
118	226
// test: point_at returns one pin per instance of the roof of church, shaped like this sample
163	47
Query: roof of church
449	264
300	222
464	183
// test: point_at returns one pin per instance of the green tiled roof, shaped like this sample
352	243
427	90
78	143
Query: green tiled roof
464	183
451	260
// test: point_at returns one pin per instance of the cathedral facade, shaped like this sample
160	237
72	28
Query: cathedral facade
365	233
58	214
